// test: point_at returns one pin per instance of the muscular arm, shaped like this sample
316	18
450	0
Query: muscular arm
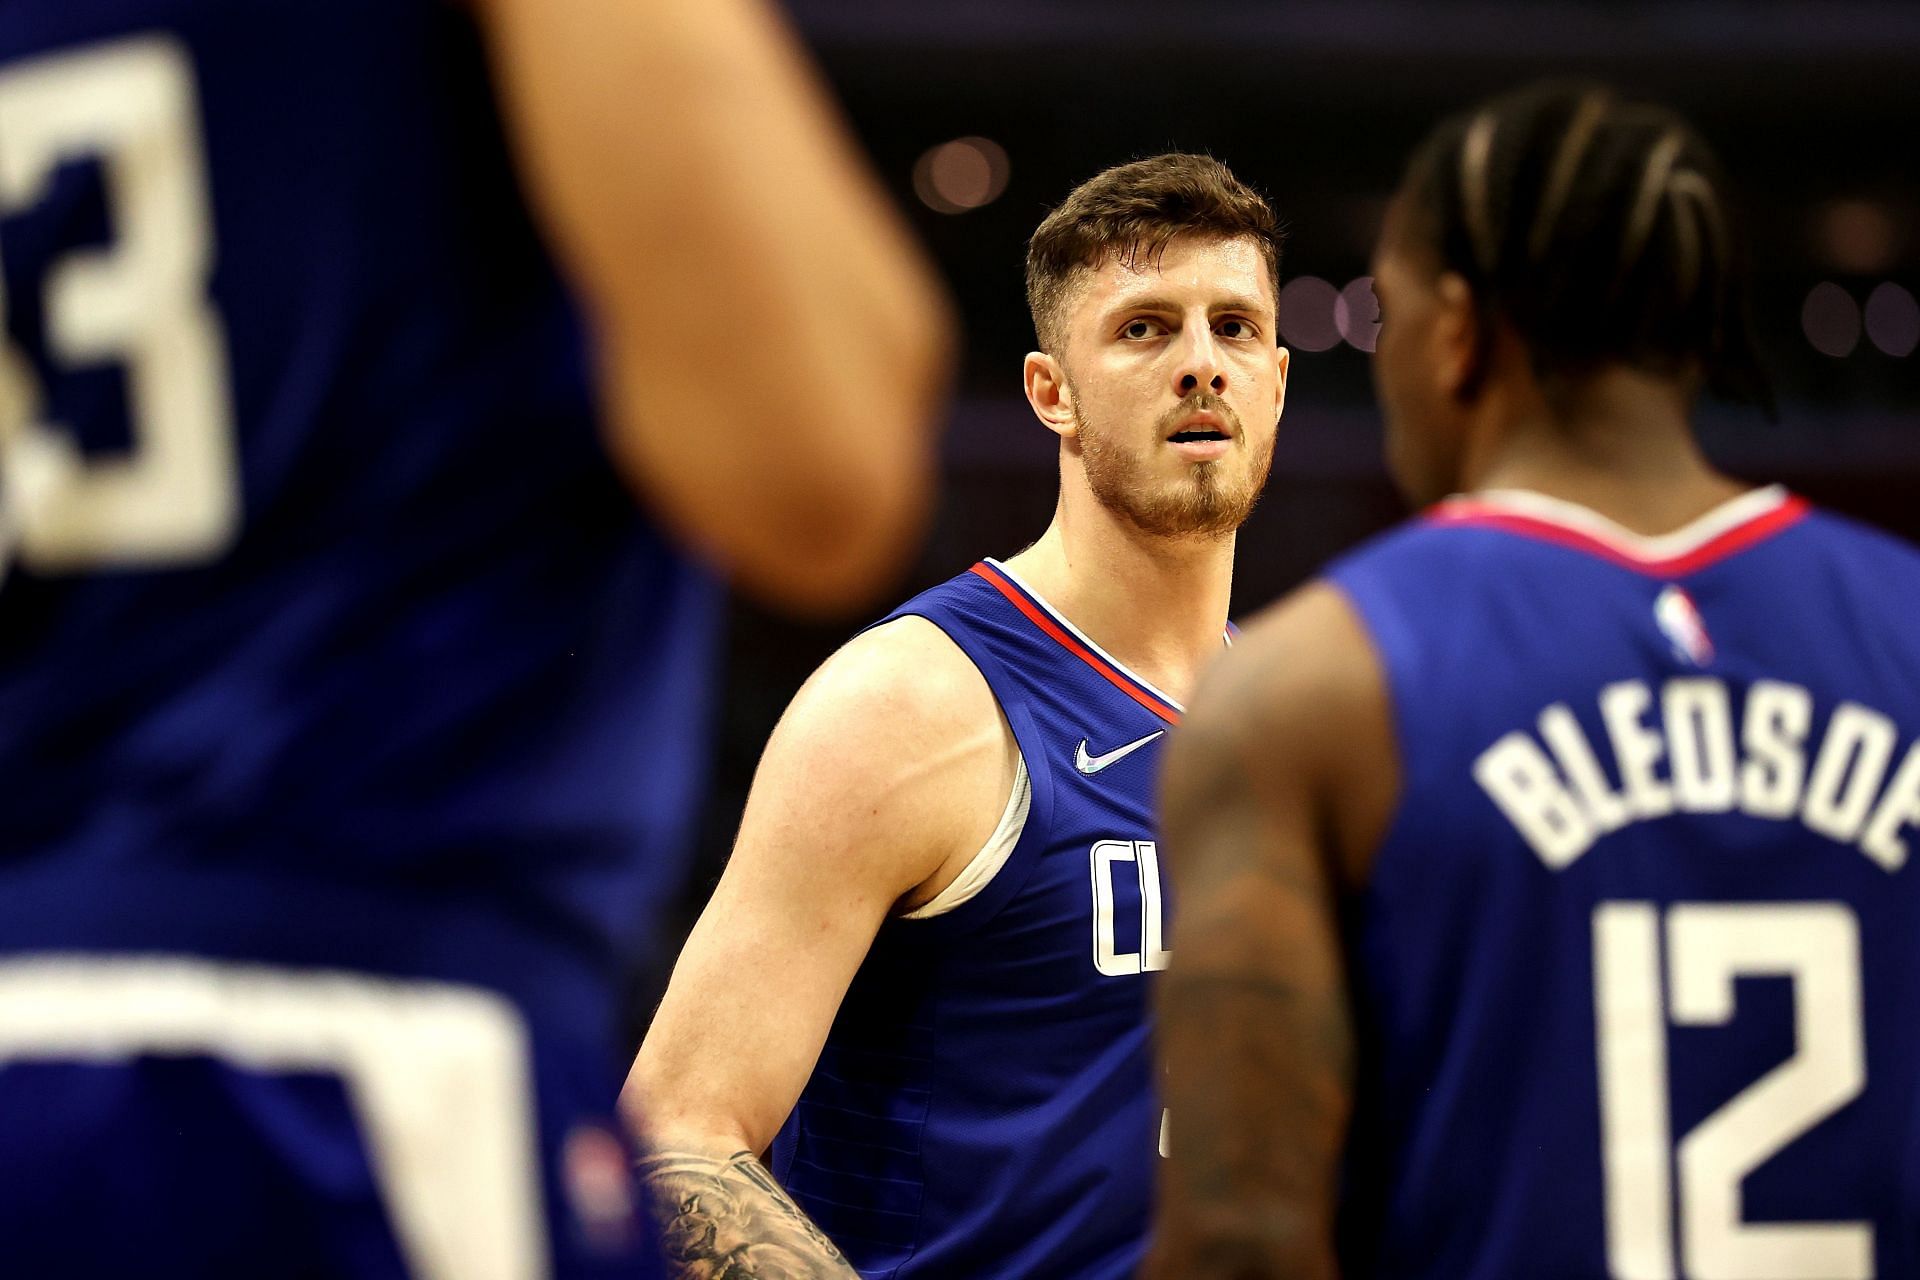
887	771
1277	789
774	348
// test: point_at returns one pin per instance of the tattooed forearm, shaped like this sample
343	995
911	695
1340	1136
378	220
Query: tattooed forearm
1257	1092
1254	1028
727	1219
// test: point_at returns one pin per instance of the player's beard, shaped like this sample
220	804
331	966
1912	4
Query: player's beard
1203	501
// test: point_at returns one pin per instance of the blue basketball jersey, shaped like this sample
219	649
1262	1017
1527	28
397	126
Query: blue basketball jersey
329	642
984	1105
327	633
1637	965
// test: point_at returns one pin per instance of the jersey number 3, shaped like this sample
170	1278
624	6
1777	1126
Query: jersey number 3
140	302
1817	946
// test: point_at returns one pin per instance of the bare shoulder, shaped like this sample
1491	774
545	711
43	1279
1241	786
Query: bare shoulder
1299	712
897	746
1307	654
898	683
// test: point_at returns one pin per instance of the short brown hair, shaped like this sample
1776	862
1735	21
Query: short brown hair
1132	211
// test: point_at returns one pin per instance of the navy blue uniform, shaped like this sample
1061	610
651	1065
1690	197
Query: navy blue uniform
327	635
1637	965
985	1105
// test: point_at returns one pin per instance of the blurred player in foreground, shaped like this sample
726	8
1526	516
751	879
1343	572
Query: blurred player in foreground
349	709
954	816
1543	870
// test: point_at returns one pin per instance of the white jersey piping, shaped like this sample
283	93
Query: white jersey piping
1729	515
985	865
1081	636
993	855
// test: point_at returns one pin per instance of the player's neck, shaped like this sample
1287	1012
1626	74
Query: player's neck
1158	605
1624	449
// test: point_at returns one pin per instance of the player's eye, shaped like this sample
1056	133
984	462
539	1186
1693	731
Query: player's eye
1139	329
1235	327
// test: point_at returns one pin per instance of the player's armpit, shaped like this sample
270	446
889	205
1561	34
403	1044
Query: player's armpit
725	1218
892	764
1276	786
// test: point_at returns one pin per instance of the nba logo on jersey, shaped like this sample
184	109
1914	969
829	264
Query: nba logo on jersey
1681	623
598	1181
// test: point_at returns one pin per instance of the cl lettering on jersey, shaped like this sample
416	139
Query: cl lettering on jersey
1697	746
1126	879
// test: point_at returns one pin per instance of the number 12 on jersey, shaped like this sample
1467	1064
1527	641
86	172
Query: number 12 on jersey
1817	946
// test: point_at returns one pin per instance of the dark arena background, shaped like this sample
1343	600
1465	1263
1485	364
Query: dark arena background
982	114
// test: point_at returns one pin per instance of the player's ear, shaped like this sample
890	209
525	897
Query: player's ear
1049	394
1283	359
1461	346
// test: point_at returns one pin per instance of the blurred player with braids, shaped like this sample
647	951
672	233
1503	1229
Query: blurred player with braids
931	953
350	707
1546	899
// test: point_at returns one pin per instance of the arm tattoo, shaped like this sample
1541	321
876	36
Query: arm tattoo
729	1220
1258	1097
1253	1027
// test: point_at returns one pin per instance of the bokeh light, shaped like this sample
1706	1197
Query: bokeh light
1858	236
1307	321
1831	319
1356	314
1893	320
960	175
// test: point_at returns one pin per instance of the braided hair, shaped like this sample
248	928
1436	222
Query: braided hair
1599	229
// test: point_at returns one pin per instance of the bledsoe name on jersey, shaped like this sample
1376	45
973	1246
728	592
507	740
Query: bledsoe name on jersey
1685	757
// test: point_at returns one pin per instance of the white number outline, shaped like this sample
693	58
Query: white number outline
1817	946
438	1076
175	498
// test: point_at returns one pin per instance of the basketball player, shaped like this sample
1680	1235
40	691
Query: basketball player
944	908
348	705
1543	869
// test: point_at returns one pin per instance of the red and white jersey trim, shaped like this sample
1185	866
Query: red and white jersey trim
1730	527
1079	643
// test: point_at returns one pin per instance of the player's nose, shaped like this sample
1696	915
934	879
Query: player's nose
1198	364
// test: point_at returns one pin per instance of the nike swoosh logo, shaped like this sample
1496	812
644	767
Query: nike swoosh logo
1091	765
